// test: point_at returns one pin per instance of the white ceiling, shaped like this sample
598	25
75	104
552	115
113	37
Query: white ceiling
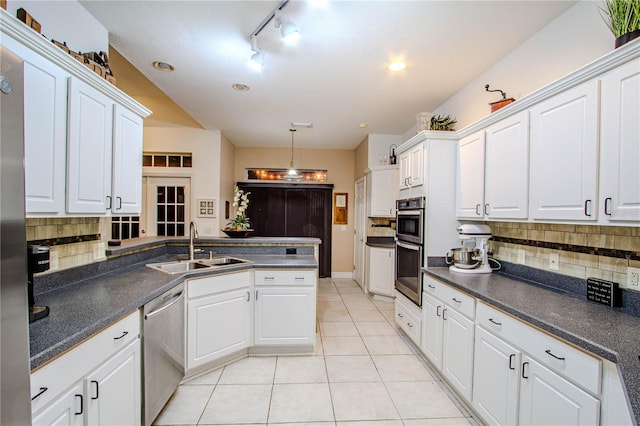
334	76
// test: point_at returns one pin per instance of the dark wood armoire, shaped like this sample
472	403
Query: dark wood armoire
293	210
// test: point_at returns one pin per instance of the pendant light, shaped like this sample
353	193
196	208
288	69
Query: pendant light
292	173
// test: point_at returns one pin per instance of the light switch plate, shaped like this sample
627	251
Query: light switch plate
554	261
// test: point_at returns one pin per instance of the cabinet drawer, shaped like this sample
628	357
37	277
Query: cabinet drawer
284	277
198	287
408	320
455	299
573	363
61	373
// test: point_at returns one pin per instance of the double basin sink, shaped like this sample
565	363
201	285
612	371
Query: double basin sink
182	266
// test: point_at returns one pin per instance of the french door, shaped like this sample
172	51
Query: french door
167	206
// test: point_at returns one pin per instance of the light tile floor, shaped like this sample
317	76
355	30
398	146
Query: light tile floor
363	373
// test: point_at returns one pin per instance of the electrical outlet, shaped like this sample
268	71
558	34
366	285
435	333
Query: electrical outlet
554	261
633	277
521	255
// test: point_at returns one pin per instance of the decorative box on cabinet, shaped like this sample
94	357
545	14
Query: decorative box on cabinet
97	382
218	317
564	155
620	144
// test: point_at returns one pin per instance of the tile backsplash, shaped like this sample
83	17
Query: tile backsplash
73	241
582	250
381	227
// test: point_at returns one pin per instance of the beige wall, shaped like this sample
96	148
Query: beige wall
340	172
361	160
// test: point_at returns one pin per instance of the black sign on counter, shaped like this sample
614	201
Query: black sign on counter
605	292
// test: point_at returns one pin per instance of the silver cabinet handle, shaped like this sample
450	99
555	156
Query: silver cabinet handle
248	296
400	315
109	200
256	294
587	208
119	200
410	325
478	210
444	311
486	209
175	300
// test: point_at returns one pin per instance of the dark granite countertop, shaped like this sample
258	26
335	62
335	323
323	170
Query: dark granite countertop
84	308
604	331
382	242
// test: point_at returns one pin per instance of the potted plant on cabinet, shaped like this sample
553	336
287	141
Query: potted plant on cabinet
239	226
623	19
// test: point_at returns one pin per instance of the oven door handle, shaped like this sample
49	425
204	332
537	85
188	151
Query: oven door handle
408	247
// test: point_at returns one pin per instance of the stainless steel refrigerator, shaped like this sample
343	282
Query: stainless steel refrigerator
15	404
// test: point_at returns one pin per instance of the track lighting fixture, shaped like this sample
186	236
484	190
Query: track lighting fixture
288	30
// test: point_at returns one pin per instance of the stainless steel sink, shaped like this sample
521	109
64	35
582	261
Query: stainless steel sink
182	266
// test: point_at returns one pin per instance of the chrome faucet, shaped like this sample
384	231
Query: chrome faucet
193	234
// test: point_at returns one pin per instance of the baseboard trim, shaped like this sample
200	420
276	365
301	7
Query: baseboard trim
342	275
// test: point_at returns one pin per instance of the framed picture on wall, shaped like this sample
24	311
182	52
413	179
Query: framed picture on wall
340	209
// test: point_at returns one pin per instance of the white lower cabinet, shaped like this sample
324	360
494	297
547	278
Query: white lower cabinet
96	383
218	317
409	318
285	310
380	270
512	386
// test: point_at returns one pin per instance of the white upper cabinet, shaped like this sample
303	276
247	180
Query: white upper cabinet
506	183
470	182
564	155
89	150
411	167
382	192
620	144
127	162
45	131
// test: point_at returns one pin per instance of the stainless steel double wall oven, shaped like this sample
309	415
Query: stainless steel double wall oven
410	247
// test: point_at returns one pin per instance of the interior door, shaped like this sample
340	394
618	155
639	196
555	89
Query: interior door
167	206
360	220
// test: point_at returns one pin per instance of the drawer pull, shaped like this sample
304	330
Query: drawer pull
81	404
410	325
495	322
548	351
299	278
97	388
456	300
433	287
524	364
400	315
42	390
269	278
124	333
511	358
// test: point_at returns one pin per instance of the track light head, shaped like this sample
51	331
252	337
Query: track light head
288	29
257	59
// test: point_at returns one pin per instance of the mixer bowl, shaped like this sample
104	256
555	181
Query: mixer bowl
464	257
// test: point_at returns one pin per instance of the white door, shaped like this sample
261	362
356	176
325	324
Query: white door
285	315
89	149
205	341
167	207
564	155
506	182
359	232
113	390
496	379
620	144
470	184
127	162
457	350
431	343
67	410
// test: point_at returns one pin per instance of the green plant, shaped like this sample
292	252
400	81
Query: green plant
439	122
621	16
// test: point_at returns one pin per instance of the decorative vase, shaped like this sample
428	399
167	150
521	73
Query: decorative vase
625	38
232	233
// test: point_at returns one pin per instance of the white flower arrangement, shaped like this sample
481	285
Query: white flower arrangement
240	200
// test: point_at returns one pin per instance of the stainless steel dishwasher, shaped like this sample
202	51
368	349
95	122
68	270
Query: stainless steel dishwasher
163	349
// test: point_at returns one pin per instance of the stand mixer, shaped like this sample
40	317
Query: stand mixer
473	257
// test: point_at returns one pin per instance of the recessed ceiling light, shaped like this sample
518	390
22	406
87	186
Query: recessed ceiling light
239	87
163	66
398	65
363	125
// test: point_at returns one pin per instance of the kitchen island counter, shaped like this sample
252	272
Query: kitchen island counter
606	332
85	306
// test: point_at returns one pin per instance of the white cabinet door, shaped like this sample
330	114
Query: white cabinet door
417	171
380	270
506	181
457	351
206	341
285	316
564	155
431	343
496	379
45	131
66	410
382	193
89	150
127	162
113	390
470	183
404	161
620	144
548	399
